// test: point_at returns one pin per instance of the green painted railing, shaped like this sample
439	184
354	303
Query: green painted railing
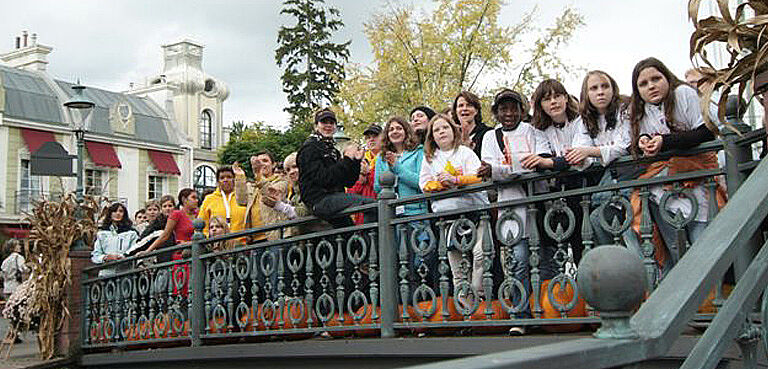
372	280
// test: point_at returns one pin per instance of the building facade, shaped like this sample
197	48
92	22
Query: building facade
159	136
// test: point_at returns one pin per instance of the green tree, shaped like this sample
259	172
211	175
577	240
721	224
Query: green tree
258	137
313	64
427	59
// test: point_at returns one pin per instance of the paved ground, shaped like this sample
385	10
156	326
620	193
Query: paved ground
23	354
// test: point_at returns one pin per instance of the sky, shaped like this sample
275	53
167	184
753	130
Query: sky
109	44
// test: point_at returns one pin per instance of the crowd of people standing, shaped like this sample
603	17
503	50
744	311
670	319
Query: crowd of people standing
437	151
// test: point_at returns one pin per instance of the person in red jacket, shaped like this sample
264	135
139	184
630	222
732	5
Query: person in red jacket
364	184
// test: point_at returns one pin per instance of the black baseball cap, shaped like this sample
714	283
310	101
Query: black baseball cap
372	130
507	94
325	114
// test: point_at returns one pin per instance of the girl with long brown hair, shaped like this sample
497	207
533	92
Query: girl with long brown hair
665	114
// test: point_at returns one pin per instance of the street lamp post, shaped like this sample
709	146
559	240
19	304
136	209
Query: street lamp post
83	106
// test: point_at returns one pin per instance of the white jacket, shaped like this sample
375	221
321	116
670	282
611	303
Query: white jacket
462	159
109	242
13	263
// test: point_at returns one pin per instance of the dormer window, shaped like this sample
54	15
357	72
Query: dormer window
206	129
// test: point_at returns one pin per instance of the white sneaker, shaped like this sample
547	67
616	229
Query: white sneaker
517	331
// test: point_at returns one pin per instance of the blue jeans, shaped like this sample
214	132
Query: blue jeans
331	205
692	231
603	237
519	268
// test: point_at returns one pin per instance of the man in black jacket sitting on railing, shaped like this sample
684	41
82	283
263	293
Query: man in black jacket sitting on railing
324	172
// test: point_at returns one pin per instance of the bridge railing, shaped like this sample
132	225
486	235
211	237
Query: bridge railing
402	275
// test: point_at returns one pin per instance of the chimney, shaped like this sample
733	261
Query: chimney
28	56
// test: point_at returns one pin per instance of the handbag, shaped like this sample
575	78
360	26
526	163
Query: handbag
19	277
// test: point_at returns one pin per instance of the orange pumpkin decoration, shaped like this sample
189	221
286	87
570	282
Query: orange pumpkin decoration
563	297
367	319
437	317
707	307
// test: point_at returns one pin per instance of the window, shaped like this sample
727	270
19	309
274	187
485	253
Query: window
29	188
206	129
93	182
155	190
205	179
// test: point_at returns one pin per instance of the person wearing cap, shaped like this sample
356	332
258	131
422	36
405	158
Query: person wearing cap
503	149
364	184
324	172
420	117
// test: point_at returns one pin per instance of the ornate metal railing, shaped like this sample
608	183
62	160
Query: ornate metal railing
395	276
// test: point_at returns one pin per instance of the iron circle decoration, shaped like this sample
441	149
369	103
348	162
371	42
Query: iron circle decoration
125	327
458	232
242	267
126	286
324	259
143	284
422	291
161	280
219	316
177	322
563	280
357	296
505	290
295	302
219	270
672	219
325	300
161	325
466	289
95	331
111	290
295	258
95	292
352	255
559	207
143	326
509	216
626	206
268	262
764	317
241	314
179	277
416	245
268	307
109	329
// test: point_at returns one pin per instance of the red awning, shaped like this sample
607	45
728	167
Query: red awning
102	154
164	162
15	232
35	138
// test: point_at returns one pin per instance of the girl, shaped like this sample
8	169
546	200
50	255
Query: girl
466	112
403	155
602	135
217	226
420	117
556	117
448	164
665	114
179	223
157	214
115	236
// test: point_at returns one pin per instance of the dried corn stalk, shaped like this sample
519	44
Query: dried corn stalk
54	226
746	41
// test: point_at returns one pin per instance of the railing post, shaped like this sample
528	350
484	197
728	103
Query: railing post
197	280
387	255
734	155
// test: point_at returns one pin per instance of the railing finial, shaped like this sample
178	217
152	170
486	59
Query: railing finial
612	280
199	225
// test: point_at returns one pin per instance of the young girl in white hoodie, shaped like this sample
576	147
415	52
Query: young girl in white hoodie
447	164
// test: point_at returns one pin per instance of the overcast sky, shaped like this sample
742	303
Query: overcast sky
111	43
